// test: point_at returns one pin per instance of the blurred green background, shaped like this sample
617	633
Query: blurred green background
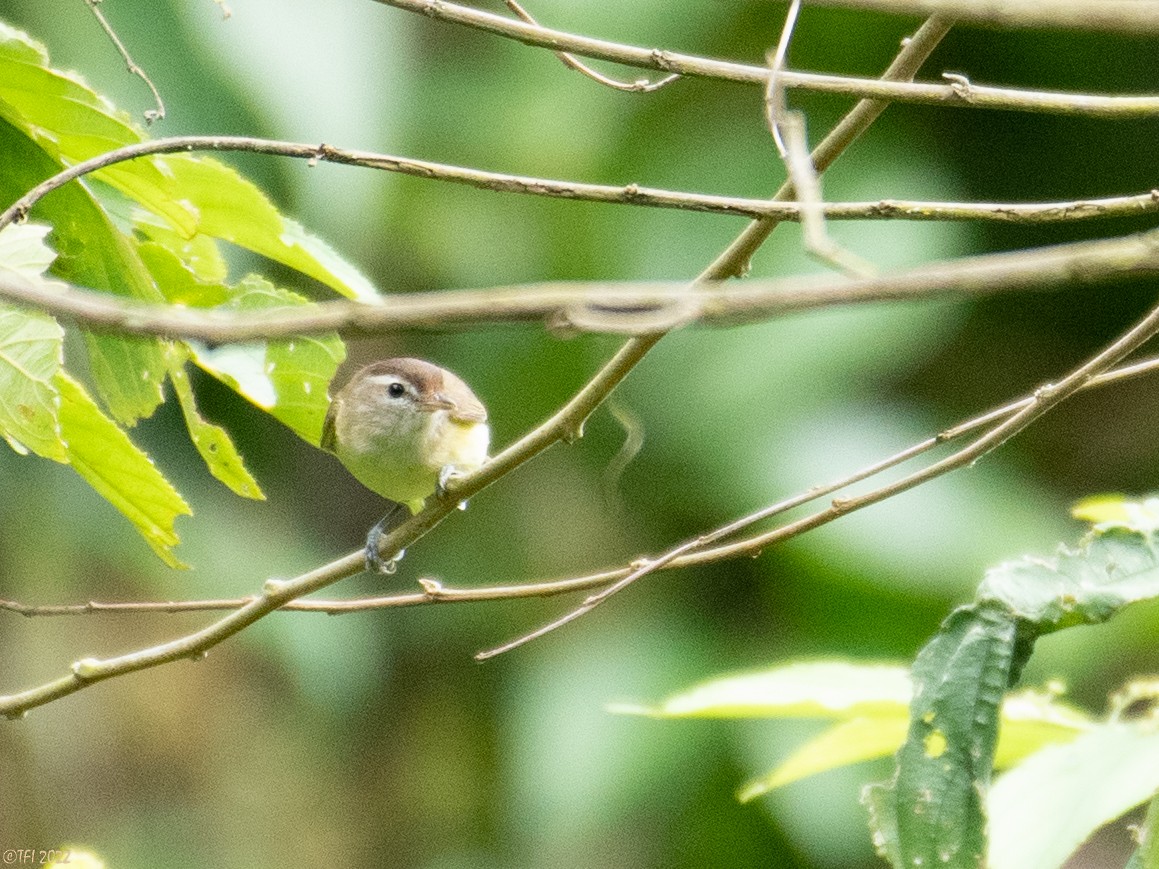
374	739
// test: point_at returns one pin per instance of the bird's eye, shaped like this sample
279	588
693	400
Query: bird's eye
396	390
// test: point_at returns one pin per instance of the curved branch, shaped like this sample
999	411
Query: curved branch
626	194
596	306
903	92
565	424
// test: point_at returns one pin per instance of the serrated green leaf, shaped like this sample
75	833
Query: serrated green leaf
933	809
103	455
201	254
70	123
1116	564
30	355
178	280
30	351
1042	810
231	208
93	253
288	379
212	441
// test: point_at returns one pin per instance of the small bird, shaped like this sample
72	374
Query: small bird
403	427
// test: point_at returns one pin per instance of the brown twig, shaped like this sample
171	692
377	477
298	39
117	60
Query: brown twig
151	115
692	553
639	86
883	89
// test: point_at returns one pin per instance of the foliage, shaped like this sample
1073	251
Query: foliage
952	721
149	228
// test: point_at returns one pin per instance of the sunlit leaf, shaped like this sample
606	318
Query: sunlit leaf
109	462
809	689
872	704
233	209
30	351
933	811
1042	810
212	441
1116	509
71	123
853	741
288	379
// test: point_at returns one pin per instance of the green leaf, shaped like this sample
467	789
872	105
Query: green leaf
806	689
1116	564
872	704
212	441
30	352
233	209
288	379
92	252
103	455
932	810
853	741
70	123
1042	810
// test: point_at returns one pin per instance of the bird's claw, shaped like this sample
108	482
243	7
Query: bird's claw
375	563
446	474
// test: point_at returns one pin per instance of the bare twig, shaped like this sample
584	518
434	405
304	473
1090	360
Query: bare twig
566	424
151	115
818	241
883	89
1043	400
639	86
775	107
629	194
630	308
1132	17
735	259
697	552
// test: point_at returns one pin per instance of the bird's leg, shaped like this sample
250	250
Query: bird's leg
446	474
374	560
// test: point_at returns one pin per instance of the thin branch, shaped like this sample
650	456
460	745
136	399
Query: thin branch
697	552
627	194
151	115
1130	17
597	306
775	107
1042	401
565	424
639	86
734	262
816	237
691	65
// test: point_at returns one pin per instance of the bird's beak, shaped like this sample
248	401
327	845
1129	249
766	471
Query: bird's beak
438	401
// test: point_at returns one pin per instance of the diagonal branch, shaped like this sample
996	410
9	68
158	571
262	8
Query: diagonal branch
701	551
1042	401
565	424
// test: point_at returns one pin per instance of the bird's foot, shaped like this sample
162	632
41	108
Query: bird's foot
375	563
